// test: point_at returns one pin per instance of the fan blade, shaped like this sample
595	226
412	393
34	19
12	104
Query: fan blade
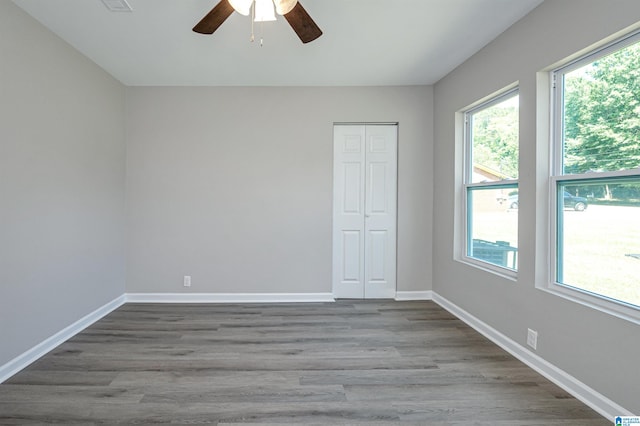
302	24
215	18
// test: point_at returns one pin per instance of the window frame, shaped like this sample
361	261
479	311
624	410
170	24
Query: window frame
468	186
557	178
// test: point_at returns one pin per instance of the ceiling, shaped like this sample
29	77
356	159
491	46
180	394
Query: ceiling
365	42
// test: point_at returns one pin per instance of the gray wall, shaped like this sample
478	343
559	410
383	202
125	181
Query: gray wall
62	159
233	186
598	349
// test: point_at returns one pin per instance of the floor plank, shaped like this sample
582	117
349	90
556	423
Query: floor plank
343	363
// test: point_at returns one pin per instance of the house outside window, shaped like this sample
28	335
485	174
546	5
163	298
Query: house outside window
491	184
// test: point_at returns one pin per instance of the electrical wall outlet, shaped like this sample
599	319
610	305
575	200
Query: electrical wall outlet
532	338
187	281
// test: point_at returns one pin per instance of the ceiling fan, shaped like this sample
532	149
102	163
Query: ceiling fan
292	11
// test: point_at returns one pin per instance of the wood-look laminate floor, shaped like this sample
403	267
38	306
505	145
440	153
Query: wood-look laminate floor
350	362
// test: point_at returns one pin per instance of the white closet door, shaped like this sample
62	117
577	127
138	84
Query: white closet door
364	211
348	211
380	212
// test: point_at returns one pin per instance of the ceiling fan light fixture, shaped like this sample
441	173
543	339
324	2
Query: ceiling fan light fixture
264	11
284	6
243	7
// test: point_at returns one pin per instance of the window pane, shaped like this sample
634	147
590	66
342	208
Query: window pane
602	114
493	226
494	142
599	247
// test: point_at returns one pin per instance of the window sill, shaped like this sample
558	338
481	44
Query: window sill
609	307
507	273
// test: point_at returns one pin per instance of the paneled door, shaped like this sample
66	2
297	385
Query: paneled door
364	210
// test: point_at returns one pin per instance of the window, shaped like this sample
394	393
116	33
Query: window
595	179
491	183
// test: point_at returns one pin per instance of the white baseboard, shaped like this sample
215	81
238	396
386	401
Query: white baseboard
228	297
600	403
414	295
22	361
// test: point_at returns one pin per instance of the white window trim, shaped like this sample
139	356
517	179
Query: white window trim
495	99
599	302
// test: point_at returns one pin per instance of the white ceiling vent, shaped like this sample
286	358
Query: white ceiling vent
117	5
